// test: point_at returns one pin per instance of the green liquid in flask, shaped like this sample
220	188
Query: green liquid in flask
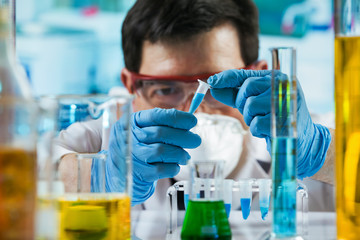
206	220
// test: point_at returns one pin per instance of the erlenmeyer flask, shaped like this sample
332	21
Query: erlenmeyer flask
205	216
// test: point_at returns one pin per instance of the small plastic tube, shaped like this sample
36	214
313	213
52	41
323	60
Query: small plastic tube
264	196
245	189
228	187
199	96
186	193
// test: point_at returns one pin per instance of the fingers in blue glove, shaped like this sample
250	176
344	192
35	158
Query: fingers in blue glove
257	106
167	135
154	172
161	153
165	117
232	87
260	126
234	78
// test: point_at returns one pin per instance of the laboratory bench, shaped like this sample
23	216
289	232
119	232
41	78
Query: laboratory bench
153	225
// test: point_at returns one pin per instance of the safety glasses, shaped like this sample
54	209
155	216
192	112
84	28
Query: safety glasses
170	91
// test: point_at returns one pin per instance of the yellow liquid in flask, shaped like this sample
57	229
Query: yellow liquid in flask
95	216
347	97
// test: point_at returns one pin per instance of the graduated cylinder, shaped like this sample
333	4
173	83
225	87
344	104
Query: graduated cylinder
347	97
283	132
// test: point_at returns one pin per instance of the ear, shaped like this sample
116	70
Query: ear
260	65
126	80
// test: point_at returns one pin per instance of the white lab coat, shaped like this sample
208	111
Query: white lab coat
254	162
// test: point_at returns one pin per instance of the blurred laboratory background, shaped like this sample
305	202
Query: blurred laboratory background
73	46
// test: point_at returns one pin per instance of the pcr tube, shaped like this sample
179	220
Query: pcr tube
264	196
228	188
199	96
245	189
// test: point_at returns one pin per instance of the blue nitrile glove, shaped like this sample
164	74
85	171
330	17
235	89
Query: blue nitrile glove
159	137
250	92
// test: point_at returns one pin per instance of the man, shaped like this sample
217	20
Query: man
167	46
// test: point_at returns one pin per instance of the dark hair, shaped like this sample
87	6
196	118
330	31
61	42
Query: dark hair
172	20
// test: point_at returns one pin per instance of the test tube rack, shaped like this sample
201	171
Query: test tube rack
234	191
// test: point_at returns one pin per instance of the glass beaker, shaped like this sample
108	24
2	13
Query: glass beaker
18	124
82	171
283	144
205	216
347	104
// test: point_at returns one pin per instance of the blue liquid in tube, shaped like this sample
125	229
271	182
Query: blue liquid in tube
245	207
284	186
197	99
186	200
264	207
227	209
264	212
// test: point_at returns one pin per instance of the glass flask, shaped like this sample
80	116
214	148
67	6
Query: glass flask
205	216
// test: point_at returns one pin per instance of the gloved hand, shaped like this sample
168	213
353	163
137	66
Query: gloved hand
159	137
250	92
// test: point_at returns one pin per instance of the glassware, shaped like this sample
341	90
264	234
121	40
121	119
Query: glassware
283	133
205	216
18	124
12	83
347	103
85	207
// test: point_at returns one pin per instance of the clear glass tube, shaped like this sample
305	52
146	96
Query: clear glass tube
283	131
347	104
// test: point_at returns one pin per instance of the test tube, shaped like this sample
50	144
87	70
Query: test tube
186	193
283	144
228	187
245	189
199	96
264	196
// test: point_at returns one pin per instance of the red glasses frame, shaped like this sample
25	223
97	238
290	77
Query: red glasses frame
137	76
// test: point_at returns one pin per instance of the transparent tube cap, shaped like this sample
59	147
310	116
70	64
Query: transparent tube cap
203	87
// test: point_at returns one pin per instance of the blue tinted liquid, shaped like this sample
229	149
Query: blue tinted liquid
264	207
264	212
227	209
284	186
197	99
245	207
186	200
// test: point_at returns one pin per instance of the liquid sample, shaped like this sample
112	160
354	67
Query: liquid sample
284	186
17	193
205	220
95	216
197	99
264	207
347	97
227	209
264	212
186	200
245	207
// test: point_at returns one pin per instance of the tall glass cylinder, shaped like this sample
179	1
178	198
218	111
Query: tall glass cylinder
18	124
205	216
283	133
12	83
347	103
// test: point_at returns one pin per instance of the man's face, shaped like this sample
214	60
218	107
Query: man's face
210	52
